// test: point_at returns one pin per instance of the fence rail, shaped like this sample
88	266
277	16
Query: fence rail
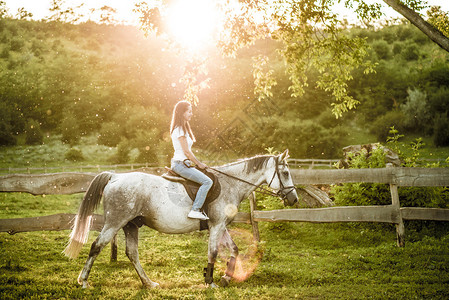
294	163
69	183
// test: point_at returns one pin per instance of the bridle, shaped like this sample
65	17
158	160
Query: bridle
282	188
280	193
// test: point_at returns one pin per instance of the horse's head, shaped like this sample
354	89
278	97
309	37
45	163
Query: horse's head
282	181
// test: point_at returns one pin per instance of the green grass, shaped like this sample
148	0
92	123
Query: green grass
428	151
52	154
294	260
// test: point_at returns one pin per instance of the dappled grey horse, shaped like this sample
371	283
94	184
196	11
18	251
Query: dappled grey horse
135	199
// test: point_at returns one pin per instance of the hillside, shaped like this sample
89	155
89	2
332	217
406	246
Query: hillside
116	88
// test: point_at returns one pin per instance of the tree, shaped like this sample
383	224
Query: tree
108	15
3	10
23	14
439	19
61	13
415	18
310	35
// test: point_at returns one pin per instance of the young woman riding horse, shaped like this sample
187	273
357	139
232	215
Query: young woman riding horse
183	139
131	200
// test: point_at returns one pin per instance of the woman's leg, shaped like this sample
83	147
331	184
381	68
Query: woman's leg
198	177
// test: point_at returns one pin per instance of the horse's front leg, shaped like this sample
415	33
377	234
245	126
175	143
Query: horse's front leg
215	234
229	243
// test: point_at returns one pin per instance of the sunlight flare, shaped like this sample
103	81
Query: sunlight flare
193	23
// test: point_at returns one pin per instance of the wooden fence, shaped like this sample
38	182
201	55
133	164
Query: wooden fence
70	183
310	163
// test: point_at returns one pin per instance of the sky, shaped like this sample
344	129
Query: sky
39	8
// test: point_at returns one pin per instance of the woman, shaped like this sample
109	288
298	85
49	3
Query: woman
183	138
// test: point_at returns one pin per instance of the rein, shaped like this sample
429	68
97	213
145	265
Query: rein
262	189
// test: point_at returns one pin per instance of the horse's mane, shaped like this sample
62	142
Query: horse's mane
252	164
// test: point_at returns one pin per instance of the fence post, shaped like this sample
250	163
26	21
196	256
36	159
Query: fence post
400	229
254	225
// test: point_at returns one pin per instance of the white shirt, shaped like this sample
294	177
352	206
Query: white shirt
179	153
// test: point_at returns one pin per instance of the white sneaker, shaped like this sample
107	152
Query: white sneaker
193	214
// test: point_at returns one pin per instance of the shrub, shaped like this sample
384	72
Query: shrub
410	52
70	130
122	154
415	110
441	130
438	100
381	126
304	138
5	53
34	135
379	194
147	143
74	154
397	48
363	193
6	137
16	44
382	49
110	134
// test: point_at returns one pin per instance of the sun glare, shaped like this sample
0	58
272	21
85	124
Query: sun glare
192	23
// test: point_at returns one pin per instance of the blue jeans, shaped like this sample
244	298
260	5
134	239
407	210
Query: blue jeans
196	176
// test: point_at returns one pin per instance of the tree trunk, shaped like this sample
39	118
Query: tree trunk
433	33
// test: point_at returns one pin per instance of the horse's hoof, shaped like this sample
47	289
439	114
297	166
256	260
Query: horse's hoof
213	286
224	281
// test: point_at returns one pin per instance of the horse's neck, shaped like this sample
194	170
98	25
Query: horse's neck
238	170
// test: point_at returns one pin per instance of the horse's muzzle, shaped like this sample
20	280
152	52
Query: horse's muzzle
291	198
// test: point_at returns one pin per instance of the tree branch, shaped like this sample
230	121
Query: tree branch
433	33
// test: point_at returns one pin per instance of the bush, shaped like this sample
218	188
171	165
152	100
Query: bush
382	49
381	126
303	138
363	193
416	111
16	44
74	154
6	137
438	100
379	194
5	53
122	154
70	130
110	134
34	135
147	142
397	48
441	130
410	52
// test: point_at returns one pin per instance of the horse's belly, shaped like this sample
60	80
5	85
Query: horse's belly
168	213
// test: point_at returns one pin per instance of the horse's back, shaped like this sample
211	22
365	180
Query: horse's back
163	204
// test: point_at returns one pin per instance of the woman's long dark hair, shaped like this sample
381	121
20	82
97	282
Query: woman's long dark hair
178	118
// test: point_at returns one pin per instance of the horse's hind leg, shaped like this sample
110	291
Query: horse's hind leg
229	243
106	235
132	241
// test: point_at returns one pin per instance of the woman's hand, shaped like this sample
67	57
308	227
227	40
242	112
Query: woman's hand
201	165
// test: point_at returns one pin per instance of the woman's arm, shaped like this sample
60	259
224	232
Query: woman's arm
189	154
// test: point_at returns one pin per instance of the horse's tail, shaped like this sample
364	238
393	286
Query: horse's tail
83	219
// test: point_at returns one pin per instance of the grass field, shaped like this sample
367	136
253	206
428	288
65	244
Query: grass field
52	152
294	260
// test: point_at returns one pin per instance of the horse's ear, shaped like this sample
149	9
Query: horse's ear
284	155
